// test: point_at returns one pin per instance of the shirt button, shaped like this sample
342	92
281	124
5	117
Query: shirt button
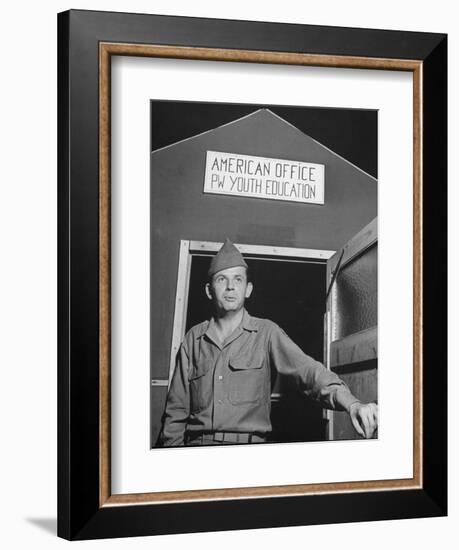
220	377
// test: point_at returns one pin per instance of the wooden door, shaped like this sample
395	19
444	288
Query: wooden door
351	323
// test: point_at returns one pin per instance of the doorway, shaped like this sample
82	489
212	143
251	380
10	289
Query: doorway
289	289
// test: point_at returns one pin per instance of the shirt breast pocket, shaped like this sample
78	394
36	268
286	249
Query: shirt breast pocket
200	387
247	380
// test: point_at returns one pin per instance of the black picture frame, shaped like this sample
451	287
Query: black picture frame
83	511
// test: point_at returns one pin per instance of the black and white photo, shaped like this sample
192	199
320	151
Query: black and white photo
264	245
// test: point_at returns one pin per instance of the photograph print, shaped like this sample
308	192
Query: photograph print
263	263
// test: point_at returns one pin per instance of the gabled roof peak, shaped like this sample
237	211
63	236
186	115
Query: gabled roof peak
263	112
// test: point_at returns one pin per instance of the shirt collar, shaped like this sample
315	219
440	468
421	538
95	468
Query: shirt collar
248	323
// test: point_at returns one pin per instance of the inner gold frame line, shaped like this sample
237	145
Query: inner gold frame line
106	51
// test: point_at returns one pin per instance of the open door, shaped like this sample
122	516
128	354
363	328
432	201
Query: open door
351	323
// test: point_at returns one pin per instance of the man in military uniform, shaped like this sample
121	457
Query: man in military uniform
221	387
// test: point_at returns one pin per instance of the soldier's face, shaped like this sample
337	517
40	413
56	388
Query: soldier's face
229	289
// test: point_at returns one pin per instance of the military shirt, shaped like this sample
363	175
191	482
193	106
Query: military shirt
226	387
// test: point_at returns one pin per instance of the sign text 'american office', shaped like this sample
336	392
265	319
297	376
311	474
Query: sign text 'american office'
266	178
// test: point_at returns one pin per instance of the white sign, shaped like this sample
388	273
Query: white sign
264	178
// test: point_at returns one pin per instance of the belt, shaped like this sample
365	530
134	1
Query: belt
226	437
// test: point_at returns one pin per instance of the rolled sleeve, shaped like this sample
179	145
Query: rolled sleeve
178	403
310	376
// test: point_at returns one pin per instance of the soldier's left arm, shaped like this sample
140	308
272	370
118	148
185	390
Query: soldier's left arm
319	383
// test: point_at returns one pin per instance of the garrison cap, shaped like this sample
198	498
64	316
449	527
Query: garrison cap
228	256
